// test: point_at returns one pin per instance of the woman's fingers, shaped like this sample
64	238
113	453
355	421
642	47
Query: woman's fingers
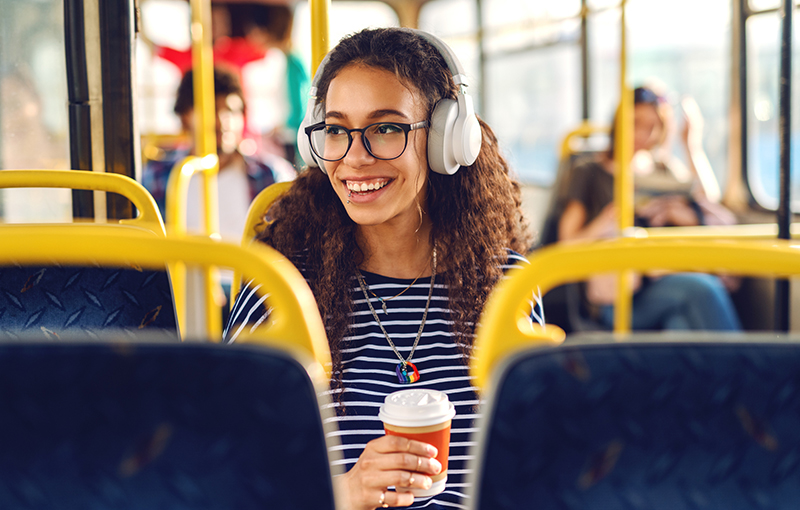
407	462
392	498
389	461
395	444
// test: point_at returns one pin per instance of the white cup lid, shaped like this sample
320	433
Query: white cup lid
416	408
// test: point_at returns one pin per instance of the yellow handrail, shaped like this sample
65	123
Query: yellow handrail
584	130
149	216
176	204
294	325
255	216
623	177
501	330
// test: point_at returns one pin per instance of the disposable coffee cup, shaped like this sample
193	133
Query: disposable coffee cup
425	416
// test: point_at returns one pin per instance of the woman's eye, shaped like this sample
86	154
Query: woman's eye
388	129
334	130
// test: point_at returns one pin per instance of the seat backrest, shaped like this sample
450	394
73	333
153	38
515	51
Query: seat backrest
53	299
577	147
159	425
56	299
672	423
255	222
295	322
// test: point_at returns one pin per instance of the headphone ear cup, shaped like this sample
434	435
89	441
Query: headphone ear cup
303	144
467	136
455	138
440	137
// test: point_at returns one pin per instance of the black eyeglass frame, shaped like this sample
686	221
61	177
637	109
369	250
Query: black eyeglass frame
405	127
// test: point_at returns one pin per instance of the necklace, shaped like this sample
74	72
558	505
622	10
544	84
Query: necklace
407	372
385	300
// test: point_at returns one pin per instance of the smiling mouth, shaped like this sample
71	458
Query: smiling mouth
365	187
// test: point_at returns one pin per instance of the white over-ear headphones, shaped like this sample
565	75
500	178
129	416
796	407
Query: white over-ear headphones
454	136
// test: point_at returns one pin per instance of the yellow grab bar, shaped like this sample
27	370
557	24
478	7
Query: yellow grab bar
584	130
501	329
149	217
176	198
294	324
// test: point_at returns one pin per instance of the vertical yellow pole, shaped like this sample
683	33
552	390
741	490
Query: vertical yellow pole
206	143
320	34
623	181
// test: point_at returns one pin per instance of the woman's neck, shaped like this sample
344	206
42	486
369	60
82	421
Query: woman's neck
396	252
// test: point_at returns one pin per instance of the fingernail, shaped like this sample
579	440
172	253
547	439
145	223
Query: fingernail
432	451
436	465
426	484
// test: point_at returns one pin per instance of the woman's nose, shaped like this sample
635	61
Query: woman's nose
358	153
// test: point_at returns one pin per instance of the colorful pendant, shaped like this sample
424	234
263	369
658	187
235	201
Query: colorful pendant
407	373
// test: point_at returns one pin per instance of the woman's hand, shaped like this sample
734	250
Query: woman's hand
668	211
387	461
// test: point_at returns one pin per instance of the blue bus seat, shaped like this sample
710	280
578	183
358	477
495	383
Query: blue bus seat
55	299
159	425
657	422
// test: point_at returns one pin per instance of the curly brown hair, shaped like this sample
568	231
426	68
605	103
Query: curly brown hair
475	214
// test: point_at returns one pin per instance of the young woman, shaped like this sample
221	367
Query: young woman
401	258
675	301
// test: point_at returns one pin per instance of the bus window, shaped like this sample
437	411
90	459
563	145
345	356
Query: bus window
33	107
763	70
693	60
531	72
760	5
164	23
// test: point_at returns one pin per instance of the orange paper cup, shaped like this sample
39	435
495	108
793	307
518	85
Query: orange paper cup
422	415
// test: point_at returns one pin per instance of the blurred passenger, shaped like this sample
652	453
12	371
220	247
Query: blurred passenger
271	27
665	196
241	176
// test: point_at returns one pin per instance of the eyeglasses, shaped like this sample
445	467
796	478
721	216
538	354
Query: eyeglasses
383	140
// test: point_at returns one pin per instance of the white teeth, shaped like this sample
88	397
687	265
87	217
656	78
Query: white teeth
361	187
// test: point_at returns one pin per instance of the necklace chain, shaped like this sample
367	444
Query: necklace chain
363	285
386	300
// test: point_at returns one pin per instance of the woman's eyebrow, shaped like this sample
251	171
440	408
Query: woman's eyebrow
377	114
385	113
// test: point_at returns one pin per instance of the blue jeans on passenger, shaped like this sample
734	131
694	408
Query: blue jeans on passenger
680	301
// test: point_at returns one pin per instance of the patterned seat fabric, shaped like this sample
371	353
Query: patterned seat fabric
150	426
56	299
648	426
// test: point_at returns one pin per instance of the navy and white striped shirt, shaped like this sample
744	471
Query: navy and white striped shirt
369	363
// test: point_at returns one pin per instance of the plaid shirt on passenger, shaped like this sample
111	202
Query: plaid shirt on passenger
156	174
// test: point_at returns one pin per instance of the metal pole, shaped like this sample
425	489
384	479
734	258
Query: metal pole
320	34
481	106
80	123
744	13
119	132
623	179
784	219
585	60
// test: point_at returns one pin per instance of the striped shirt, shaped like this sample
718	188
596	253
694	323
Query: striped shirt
369	363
